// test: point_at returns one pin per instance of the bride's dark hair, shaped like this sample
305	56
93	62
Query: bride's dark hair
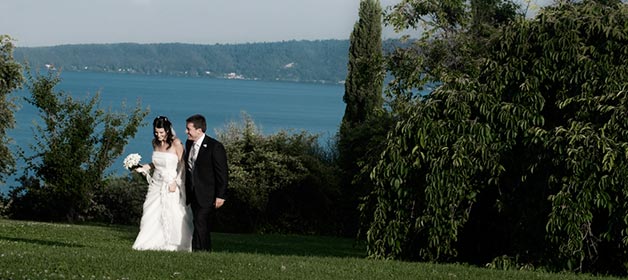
163	122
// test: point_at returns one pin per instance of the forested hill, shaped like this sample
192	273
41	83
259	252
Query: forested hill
303	61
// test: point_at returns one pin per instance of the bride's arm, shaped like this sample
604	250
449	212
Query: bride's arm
145	168
178	180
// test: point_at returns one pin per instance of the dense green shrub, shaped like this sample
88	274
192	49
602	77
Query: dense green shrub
278	183
30	201
3	206
120	200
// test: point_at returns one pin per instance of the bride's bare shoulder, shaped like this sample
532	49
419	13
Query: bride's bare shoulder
177	142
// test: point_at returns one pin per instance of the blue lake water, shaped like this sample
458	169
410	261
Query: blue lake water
316	108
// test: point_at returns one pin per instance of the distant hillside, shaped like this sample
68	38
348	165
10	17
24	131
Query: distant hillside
302	61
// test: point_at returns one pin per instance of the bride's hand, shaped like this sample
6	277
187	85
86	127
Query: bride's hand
172	187
143	169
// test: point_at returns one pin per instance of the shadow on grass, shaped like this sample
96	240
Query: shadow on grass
275	244
41	242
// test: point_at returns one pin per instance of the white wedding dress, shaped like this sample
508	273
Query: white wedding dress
166	223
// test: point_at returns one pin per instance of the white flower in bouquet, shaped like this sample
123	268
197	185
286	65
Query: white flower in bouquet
132	161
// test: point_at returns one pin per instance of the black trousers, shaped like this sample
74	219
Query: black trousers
203	221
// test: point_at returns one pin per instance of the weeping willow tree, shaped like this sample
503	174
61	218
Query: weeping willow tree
522	151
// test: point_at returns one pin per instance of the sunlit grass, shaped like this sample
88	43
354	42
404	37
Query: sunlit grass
32	250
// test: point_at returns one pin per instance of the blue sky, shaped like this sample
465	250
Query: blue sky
55	22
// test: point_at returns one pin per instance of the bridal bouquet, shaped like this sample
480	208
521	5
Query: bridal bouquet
132	161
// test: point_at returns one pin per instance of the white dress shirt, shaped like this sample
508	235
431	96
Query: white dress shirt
196	147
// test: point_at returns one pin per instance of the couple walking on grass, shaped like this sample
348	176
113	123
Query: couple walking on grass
185	188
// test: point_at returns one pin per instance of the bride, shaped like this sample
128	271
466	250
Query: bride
166	220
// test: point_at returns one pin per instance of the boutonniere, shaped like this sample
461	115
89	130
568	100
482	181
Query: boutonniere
204	145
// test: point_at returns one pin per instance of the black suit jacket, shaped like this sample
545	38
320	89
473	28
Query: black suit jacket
208	179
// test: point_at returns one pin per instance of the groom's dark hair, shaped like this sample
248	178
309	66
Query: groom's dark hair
198	121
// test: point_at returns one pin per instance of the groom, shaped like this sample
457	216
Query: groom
205	180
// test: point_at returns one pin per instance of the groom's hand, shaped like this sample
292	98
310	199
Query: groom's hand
219	202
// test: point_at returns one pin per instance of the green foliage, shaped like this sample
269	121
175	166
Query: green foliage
280	183
74	146
454	41
420	201
359	148
302	61
363	86
10	79
527	151
120	201
363	122
508	263
580	68
436	160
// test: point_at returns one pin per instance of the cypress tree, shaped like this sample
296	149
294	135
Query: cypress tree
361	125
363	86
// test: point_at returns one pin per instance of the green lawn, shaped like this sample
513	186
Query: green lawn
33	250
